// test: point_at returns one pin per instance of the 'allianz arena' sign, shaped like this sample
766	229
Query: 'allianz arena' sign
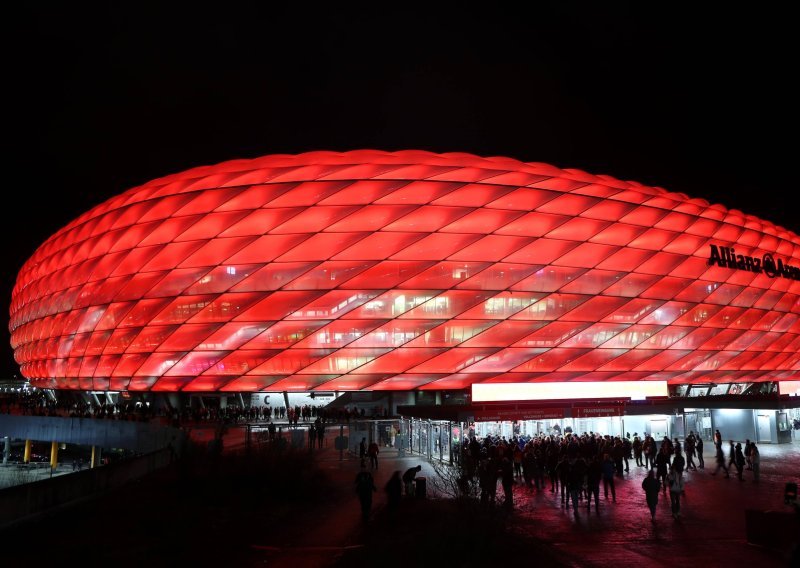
727	257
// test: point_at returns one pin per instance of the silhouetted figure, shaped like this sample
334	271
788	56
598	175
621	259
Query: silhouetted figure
408	479
365	486
651	487
394	491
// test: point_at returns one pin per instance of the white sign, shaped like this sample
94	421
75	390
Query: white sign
636	390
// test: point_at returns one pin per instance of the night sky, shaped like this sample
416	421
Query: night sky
688	98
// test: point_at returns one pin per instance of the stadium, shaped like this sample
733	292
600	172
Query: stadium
444	286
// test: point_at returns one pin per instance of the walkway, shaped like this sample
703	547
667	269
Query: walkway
168	520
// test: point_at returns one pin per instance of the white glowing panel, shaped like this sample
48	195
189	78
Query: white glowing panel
792	388
635	390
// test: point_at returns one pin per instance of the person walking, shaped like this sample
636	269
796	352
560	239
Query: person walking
362	450
320	435
698	447
365	486
678	463
507	481
637	450
739	461
689	446
676	487
747	445
594	472
720	461
731	454
608	477
651	453
312	436
755	460
372	454
575	480
662	465
651	488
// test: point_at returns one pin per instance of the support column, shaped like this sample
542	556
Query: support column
450	441
27	456
94	460
7	450
53	455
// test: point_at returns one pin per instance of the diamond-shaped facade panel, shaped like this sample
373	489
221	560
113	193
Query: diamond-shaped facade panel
406	270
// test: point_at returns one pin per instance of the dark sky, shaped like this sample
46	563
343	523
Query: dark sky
689	98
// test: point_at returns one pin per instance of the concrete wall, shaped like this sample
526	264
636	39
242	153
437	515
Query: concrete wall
140	437
25	502
734	424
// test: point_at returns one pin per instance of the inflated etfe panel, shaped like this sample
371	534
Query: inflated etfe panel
405	270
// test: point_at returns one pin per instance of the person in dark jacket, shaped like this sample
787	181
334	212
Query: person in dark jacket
575	479
739	460
372	454
408	479
651	488
362	450
755	459
365	485
678	463
637	450
608	477
594	472
720	461
507	480
662	465
394	491
562	471
698	447
626	452
731	454
618	453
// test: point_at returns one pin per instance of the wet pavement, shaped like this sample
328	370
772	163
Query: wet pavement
711	528
329	531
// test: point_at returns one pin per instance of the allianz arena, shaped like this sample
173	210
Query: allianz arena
406	271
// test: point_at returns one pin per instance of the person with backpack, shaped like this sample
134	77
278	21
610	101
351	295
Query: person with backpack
676	487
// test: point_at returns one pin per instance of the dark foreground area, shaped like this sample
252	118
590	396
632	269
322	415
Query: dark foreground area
294	508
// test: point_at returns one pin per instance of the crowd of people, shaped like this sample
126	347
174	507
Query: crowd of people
573	467
38	403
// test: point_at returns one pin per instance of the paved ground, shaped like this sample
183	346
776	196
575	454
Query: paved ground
153	522
711	528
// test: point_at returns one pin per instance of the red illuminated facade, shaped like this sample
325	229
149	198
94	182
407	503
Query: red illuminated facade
370	270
